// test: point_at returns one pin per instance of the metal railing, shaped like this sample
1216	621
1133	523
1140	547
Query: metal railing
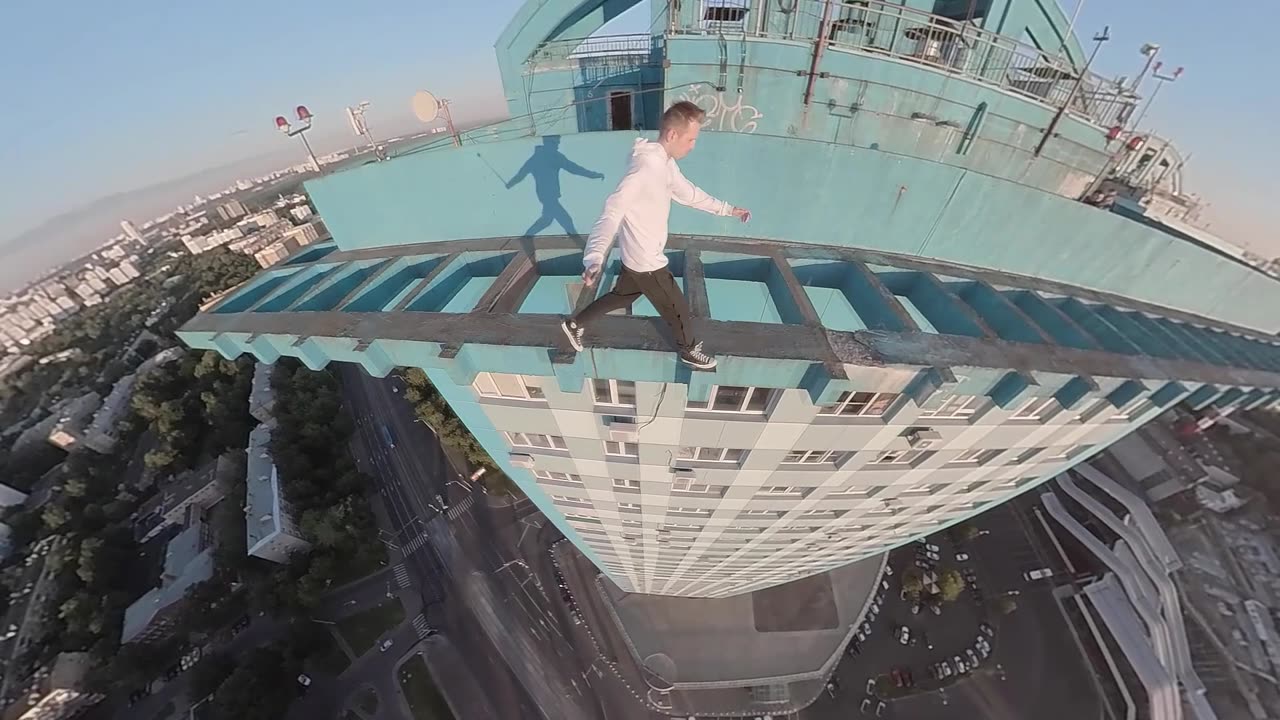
953	46
629	46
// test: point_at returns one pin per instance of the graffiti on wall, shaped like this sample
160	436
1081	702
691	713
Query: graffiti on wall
722	116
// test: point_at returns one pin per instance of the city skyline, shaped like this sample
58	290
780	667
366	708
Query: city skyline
62	161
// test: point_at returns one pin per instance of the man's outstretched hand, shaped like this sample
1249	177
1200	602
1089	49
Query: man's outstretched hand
591	275
742	214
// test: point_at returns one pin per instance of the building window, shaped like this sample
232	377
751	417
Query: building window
974	456
955	406
1037	408
626	483
818	511
778	490
758	512
580	516
689	511
862	404
689	485
1025	455
515	387
570	500
898	457
621	449
1065	453
628	506
727	398
535	440
812	457
557	476
614	392
706	454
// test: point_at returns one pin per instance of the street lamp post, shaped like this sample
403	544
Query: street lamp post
1098	40
299	130
1150	51
1160	81
355	115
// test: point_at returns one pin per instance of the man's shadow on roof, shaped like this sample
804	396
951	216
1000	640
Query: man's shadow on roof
545	165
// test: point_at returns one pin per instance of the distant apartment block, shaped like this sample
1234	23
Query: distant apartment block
197	244
188	561
230	210
192	492
291	241
69	429
301	213
55	692
262	398
273	533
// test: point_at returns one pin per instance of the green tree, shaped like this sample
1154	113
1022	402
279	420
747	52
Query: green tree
913	582
950	585
1006	605
55	516
260	688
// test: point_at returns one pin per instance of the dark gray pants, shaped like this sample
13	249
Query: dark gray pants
661	289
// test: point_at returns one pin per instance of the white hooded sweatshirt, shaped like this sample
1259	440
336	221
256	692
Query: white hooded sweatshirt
637	210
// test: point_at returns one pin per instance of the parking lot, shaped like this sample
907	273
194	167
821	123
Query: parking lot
1033	666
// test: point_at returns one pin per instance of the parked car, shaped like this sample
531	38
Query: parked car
915	608
930	555
871	686
866	705
987	630
904	635
860	634
984	651
880	708
928	546
962	557
385	646
1038	574
935	608
973	657
888	569
959	663
924	564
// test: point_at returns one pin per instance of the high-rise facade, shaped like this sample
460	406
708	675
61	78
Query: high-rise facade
920	321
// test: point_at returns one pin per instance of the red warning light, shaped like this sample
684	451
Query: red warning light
303	113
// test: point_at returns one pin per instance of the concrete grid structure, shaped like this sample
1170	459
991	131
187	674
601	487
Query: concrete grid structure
272	530
919	322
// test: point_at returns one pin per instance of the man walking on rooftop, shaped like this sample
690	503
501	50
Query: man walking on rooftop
637	213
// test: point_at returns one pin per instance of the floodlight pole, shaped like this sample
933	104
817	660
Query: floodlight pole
1098	40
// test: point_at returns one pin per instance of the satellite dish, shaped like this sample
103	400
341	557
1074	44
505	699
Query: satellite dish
425	106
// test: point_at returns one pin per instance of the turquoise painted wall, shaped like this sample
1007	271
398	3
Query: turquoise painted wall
868	101
801	191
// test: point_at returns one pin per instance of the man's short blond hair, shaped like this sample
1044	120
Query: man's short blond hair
680	115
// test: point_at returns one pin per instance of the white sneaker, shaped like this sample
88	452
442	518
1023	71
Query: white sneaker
573	331
695	358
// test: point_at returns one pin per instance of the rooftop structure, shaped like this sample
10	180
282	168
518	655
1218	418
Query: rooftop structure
73	420
919	322
194	491
262	399
188	560
272	530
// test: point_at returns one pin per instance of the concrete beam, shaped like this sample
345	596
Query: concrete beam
695	285
874	303
1005	319
1182	333
1182	348
511	287
1099	328
425	281
1052	321
794	292
1135	333
961	318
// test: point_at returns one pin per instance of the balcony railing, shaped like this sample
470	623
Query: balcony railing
952	46
640	45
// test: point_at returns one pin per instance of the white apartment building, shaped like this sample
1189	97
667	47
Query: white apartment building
757	486
272	530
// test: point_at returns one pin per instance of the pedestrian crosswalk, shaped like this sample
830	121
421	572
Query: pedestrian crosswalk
412	546
421	627
402	575
462	506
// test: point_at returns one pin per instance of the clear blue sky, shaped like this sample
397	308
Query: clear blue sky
107	96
